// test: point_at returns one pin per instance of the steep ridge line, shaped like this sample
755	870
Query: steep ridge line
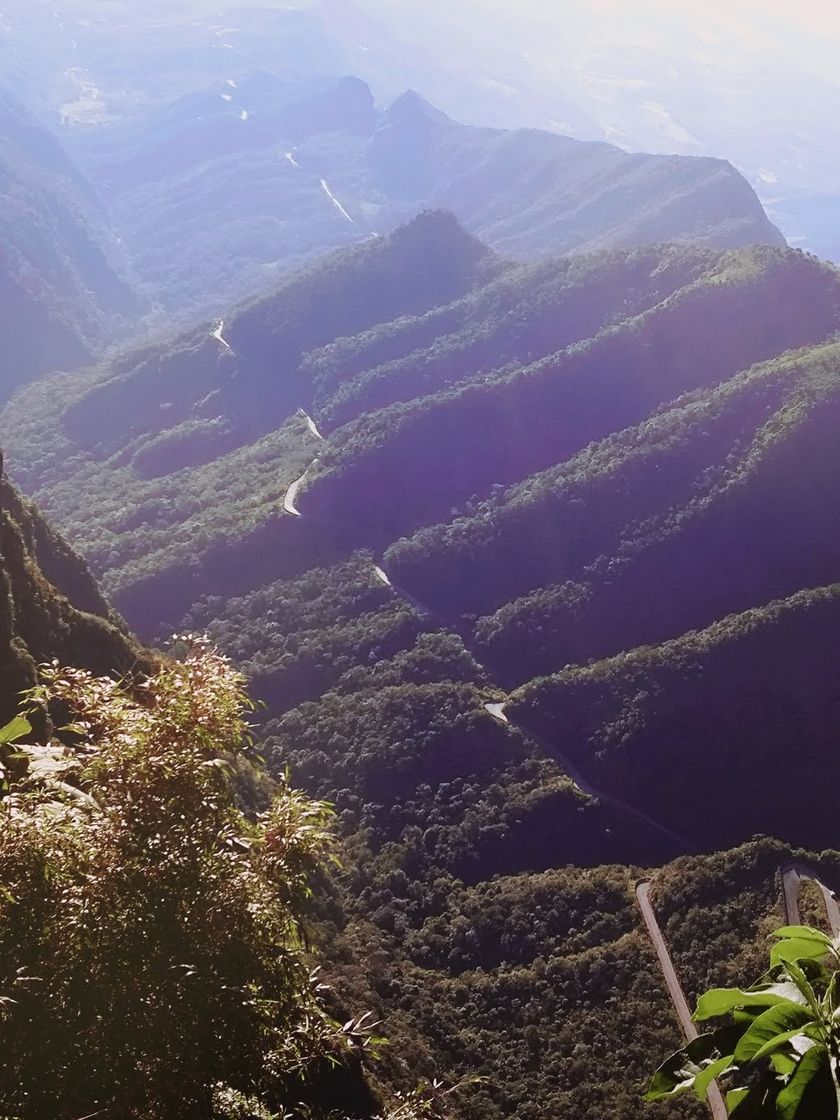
672	983
496	710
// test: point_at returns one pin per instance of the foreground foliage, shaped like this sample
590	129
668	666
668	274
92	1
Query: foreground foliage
779	1054
151	951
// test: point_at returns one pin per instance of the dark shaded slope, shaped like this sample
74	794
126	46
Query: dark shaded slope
59	295
253	379
704	730
718	504
50	606
530	311
409	464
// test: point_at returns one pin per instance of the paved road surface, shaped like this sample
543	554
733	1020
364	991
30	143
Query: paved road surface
310	423
289	502
219	335
791	876
714	1098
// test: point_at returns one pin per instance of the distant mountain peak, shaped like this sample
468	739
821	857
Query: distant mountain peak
411	104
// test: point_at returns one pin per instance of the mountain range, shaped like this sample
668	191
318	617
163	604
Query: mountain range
534	568
503	463
219	192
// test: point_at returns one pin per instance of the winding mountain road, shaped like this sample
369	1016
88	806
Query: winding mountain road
792	875
326	189
310	423
219	335
672	983
497	710
290	500
382	575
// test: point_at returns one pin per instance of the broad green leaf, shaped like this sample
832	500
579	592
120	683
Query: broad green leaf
780	1040
15	729
783	1018
783	1063
706	1076
743	1016
802	933
796	949
734	1097
720	1001
797	974
790	1098
678	1072
831	996
752	1104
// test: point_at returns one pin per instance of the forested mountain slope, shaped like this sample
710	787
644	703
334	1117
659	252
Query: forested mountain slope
219	190
701	720
585	455
50	606
59	293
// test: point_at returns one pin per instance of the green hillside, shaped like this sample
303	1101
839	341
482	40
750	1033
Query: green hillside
696	731
50	606
589	455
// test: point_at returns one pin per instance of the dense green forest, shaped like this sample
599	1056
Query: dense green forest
50	605
582	454
528	563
